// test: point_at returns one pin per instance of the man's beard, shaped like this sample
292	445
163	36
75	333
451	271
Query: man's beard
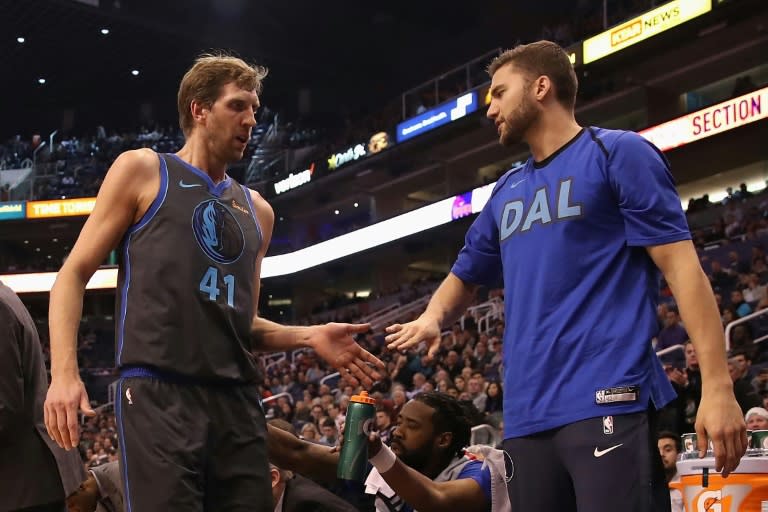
670	472
416	459
520	121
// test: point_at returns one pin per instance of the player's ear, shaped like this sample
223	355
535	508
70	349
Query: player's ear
444	440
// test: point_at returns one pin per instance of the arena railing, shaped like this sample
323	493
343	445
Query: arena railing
743	320
669	350
485	434
391	316
275	397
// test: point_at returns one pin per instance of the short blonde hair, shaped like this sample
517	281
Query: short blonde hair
206	77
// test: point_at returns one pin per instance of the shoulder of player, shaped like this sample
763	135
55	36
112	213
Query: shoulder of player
618	140
262	208
136	164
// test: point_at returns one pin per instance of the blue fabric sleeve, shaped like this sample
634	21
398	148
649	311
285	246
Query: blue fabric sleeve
474	470
479	261
640	177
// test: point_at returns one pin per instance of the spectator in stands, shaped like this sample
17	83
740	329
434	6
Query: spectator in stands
739	304
399	399
477	393
384	426
452	364
330	434
669	449
419	383
760	383
309	433
719	278
737	265
755	291
672	334
757	419
729	315
739	364
693	389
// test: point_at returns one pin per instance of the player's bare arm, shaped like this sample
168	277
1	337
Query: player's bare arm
333	342
289	452
450	300
129	187
719	416
426	495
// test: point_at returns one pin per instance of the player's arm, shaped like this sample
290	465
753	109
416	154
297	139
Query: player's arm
680	265
449	301
133	180
289	452
478	263
426	495
270	336
333	342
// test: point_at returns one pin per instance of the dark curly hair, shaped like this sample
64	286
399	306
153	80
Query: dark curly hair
450	416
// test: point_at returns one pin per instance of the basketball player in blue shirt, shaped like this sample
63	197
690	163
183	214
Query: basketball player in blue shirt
578	236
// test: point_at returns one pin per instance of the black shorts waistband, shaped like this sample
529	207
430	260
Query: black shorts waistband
149	372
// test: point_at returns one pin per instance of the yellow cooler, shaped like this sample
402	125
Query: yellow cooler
745	490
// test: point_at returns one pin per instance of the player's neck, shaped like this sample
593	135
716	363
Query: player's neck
552	131
196	153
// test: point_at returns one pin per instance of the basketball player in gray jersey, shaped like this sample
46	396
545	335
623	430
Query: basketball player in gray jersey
191	240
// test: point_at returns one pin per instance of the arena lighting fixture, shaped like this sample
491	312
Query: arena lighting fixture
335	212
41	81
135	72
105	31
406	224
356	205
20	40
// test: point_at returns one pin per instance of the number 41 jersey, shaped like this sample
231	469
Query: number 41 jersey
186	277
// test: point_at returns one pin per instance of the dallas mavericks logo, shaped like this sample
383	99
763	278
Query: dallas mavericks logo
217	232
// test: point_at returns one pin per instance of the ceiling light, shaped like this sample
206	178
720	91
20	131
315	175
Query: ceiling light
135	72
41	81
336	212
20	40
104	31
356	205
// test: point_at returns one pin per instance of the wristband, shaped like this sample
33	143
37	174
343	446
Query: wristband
384	460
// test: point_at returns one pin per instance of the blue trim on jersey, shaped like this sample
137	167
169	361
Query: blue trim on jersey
253	214
213	188
145	219
149	372
157	202
123	447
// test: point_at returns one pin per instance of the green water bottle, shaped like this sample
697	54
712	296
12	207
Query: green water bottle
353	460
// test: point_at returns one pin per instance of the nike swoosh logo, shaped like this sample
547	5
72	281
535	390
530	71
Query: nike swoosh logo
188	185
600	453
517	183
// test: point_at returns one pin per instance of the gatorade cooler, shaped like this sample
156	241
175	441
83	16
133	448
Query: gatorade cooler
745	490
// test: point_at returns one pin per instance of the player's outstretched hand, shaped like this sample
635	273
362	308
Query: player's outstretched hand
336	344
719	418
404	336
64	398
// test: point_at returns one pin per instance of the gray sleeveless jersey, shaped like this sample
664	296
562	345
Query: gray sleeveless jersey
186	278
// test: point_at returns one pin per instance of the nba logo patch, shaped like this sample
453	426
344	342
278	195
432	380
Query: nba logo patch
607	425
